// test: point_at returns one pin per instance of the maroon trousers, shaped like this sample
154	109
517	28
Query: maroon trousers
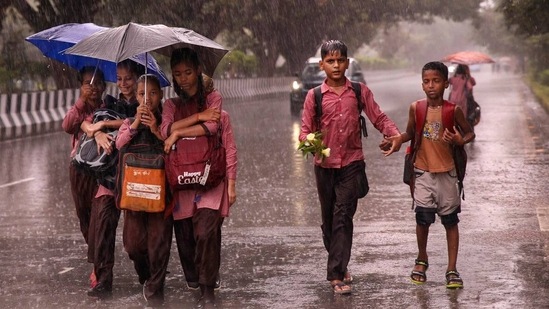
102	236
337	192
83	189
147	239
199	245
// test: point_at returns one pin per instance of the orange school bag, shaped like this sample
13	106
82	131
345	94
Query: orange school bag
141	178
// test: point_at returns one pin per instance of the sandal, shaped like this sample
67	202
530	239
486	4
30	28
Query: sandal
340	287
418	273
453	280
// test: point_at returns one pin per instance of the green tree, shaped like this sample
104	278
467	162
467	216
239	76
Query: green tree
527	19
292	29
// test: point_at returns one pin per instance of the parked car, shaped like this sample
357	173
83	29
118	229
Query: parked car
313	76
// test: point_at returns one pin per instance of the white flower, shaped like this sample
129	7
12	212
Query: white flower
307	144
311	137
326	152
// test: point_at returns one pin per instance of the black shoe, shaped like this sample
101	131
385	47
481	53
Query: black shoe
100	291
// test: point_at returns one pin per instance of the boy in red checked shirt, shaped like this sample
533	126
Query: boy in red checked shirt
340	177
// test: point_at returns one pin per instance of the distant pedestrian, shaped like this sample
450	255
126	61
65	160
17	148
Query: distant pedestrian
436	184
341	178
462	84
147	236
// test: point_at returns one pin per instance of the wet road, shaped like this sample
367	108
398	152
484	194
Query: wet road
272	254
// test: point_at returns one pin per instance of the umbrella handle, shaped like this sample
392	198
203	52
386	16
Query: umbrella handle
94	71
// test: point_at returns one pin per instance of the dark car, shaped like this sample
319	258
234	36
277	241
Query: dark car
313	76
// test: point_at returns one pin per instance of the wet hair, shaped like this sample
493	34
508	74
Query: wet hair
189	57
332	46
132	66
461	69
96	72
436	66
152	79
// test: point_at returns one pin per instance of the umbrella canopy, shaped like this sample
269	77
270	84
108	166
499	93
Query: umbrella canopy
115	44
468	58
53	41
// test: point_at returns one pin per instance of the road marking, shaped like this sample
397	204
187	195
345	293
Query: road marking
543	218
15	182
65	270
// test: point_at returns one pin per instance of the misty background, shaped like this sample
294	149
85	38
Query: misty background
274	38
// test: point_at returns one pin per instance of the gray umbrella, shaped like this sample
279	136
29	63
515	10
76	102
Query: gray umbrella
120	43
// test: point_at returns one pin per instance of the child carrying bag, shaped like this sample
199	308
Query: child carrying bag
141	180
458	152
195	163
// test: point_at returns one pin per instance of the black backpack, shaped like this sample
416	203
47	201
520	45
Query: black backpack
358	94
99	165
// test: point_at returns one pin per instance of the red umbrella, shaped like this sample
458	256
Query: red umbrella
468	57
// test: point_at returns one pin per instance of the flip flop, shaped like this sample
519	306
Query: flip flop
338	287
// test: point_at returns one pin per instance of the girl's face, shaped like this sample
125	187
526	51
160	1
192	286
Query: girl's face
186	77
97	87
125	81
152	98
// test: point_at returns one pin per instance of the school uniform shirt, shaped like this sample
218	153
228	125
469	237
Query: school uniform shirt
340	124
77	114
231	158
434	155
188	201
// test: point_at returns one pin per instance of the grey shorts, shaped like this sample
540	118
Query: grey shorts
437	192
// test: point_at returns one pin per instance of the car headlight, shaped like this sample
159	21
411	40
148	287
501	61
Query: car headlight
296	85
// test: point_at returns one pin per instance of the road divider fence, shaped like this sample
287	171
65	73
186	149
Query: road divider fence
34	113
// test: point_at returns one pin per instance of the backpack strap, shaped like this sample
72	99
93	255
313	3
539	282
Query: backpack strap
361	120
421	115
358	94
318	106
448	115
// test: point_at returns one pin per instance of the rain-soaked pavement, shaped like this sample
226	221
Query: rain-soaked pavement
272	255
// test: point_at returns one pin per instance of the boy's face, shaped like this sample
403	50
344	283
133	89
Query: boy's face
335	65
433	84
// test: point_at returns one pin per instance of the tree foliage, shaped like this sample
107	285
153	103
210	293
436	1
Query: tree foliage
270	29
527	19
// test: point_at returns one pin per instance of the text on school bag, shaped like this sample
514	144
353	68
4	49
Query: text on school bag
195	163
458	152
141	179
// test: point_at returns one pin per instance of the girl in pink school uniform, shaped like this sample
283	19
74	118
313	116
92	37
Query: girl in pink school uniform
147	237
197	211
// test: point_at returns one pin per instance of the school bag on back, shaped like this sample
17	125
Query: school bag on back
195	163
88	160
458	152
141	177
